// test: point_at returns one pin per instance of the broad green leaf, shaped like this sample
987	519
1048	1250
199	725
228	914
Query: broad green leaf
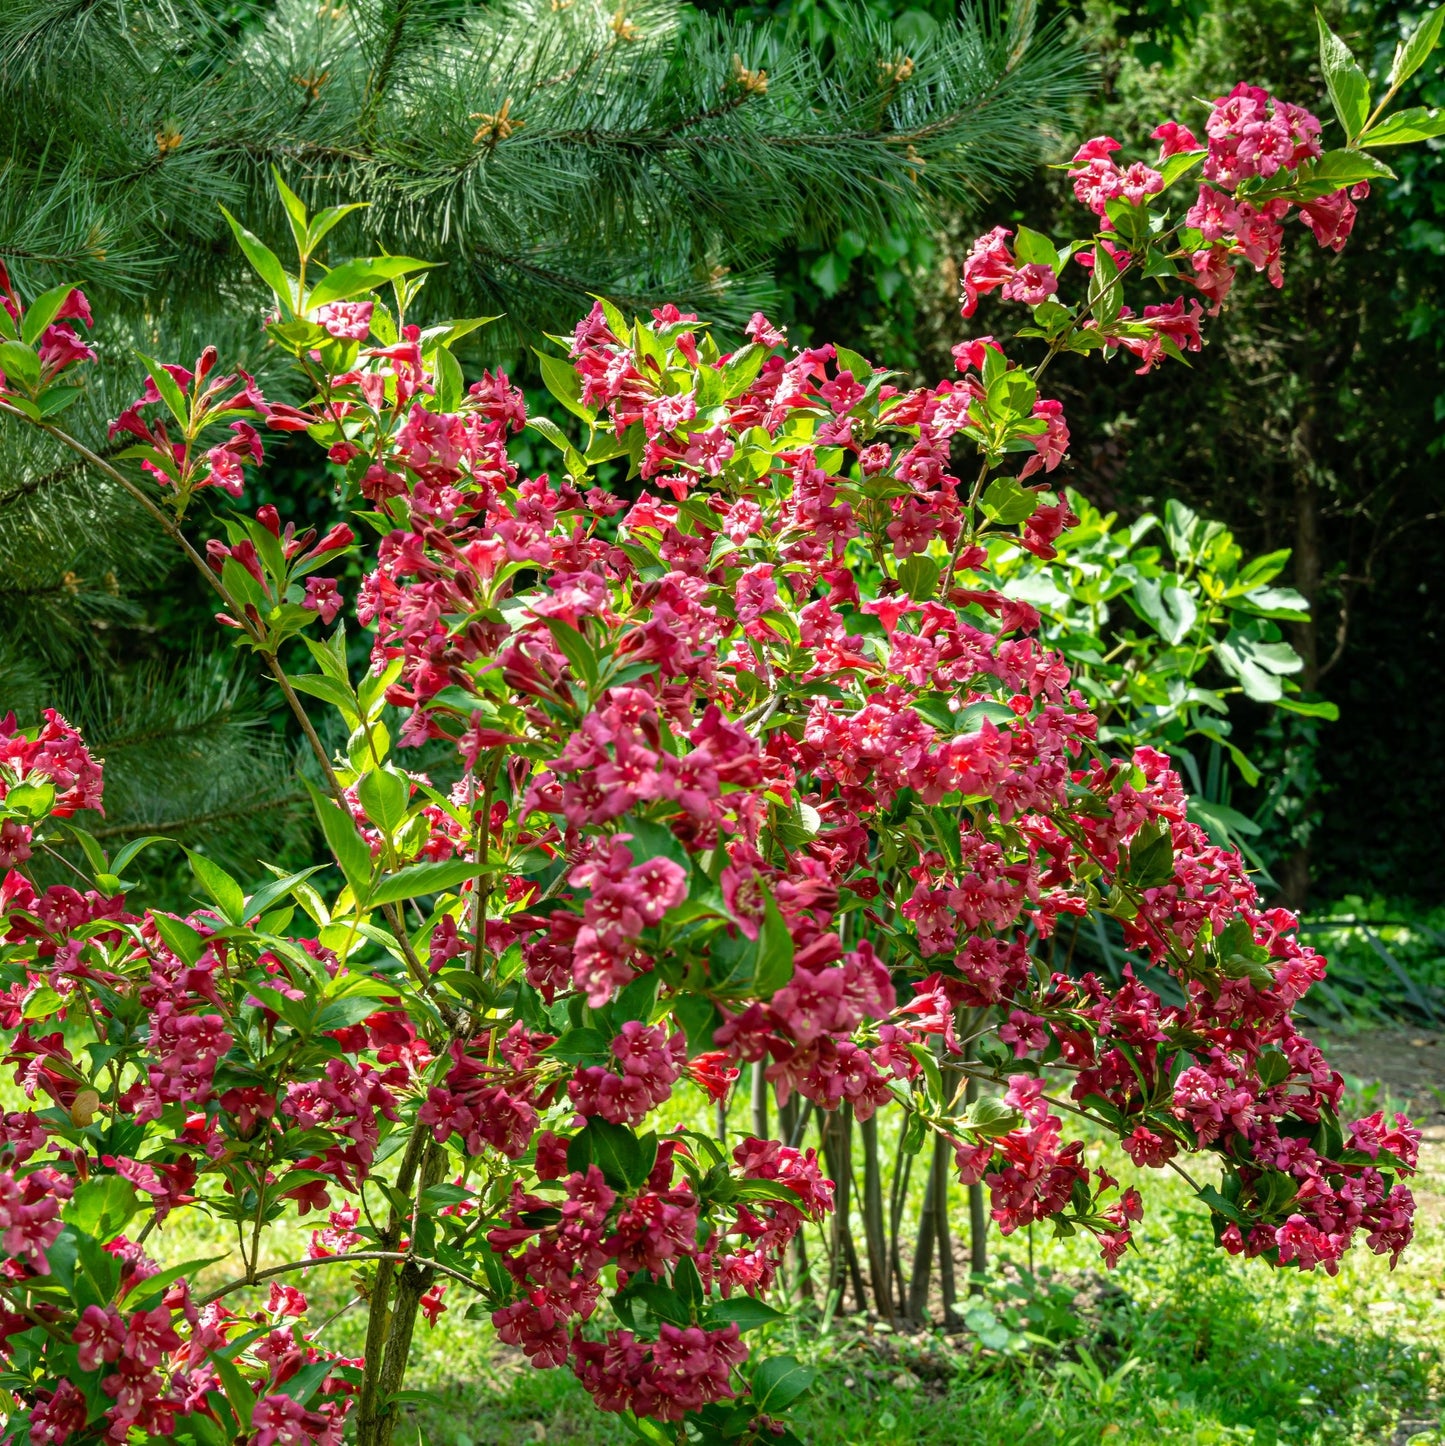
1006	502
1418	123
742	1311
101	1206
134	847
41	312
364	274
561	379
775	952
1180	164
778	1382
338	694
1349	89
1168	606
323	221
169	388
182	940
1412	52
575	647
269	894
577	1045
222	888
615	1150
546	427
295	211
1034	248
265	262
1311	708
1332	172
1258	662
346	844
18	361
384	794
919	576
422	879
450	384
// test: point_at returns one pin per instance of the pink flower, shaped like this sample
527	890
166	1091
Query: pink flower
323	597
1173	138
346	320
1031	284
987	266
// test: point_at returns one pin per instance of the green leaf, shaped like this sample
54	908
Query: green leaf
615	1150
1282	603
741	370
779	1381
180	938
268	894
338	694
577	1045
17	360
346	844
1332	172
238	1393
323	221
1034	248
169	388
1168	606
546	427
1418	123
576	648
384	794
264	262
134	847
1311	708
775	952
1412	52
1007	503
102	1207
1349	89
353	277
742	1311
451	385
1257	662
295	211
41	312
1105	294
222	888
561	379
919	576
1180	164
422	879
1150	860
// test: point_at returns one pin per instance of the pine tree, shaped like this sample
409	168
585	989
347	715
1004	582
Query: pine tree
542	150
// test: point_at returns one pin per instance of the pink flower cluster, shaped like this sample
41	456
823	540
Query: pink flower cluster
651	1064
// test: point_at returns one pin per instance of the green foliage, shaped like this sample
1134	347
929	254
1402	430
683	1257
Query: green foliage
547	151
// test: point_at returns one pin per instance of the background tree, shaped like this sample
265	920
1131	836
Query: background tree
539	151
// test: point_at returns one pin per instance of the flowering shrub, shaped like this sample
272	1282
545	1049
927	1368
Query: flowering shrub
755	763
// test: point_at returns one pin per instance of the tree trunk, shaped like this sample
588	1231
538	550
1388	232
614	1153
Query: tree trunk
947	1284
875	1226
923	1245
798	1251
837	1135
390	1326
977	1220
